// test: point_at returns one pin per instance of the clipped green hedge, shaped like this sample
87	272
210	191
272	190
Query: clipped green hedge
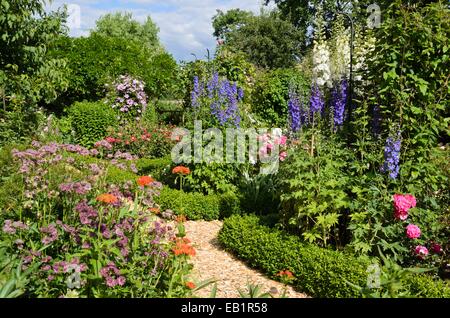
197	206
90	121
319	272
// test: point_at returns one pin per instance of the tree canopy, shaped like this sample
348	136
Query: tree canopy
122	25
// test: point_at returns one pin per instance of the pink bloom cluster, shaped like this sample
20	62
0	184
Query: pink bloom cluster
130	94
402	204
271	142
112	275
413	231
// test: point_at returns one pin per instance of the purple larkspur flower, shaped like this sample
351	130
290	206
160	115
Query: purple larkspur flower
392	156
339	100
317	102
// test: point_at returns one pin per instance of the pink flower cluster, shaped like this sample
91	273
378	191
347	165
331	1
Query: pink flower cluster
112	275
272	142
402	204
413	231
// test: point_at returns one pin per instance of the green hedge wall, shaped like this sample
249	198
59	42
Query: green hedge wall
319	272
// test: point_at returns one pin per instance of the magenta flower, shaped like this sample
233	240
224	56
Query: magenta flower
436	248
402	204
413	231
421	251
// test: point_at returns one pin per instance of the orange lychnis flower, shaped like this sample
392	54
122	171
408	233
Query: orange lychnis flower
190	285
155	210
181	170
145	180
181	219
182	247
107	198
286	274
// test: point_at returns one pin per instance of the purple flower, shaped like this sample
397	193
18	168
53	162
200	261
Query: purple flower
297	115
339	99
196	93
52	234
88	214
392	156
317	102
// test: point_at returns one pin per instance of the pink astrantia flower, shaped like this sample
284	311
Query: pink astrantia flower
421	251
413	231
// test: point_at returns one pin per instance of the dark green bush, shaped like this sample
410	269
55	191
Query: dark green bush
319	272
97	60
90	121
195	206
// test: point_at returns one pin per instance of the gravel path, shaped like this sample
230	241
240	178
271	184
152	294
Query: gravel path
211	261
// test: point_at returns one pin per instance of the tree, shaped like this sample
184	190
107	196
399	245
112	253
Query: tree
28	75
122	25
232	20
267	40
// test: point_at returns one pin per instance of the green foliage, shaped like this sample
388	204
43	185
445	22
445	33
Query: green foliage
388	281
319	272
225	22
314	189
157	168
13	280
28	75
90	121
258	193
213	178
267	40
123	26
410	73
119	176
271	94
194	206
98	60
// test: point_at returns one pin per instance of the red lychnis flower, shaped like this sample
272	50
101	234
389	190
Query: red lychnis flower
402	204
183	247
286	274
145	180
181	170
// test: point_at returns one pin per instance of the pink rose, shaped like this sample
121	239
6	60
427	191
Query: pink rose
421	251
413	231
283	155
283	140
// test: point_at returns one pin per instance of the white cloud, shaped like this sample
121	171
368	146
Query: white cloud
185	25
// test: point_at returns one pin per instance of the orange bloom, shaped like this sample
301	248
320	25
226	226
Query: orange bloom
286	274
155	210
181	170
145	180
190	285
107	198
181	219
183	248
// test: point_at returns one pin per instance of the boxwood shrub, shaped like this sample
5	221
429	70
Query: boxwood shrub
197	206
157	167
319	272
90	121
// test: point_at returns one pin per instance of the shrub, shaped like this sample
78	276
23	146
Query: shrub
90	121
319	272
195	206
271	94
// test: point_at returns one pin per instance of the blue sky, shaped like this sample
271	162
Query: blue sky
185	25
